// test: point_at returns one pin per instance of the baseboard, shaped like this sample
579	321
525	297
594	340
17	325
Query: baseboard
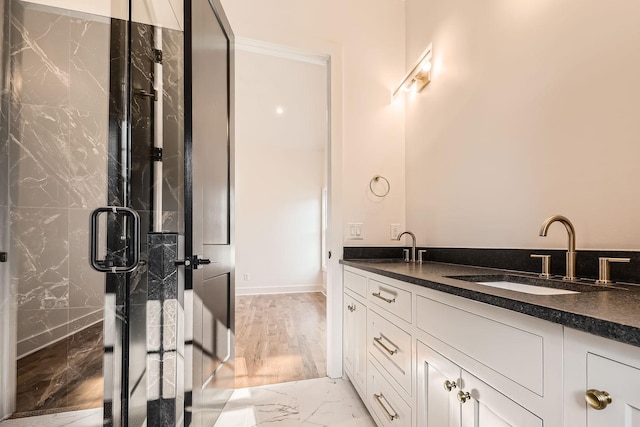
44	339
269	290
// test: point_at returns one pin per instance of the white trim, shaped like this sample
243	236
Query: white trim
272	290
279	51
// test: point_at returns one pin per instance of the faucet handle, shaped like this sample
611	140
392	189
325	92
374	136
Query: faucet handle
604	276
546	265
406	255
421	252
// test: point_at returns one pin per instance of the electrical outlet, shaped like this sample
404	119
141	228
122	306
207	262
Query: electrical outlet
246	277
395	230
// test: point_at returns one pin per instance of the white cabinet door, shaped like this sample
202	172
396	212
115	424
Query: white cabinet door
483	406
349	334
438	383
360	338
622	383
355	341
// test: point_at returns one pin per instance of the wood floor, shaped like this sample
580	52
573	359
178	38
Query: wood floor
280	338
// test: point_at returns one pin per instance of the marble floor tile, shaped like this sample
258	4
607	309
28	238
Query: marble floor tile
308	403
84	418
317	402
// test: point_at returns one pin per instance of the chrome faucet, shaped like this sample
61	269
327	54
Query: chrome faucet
571	248
413	245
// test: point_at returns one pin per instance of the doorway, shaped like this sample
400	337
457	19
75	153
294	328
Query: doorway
282	145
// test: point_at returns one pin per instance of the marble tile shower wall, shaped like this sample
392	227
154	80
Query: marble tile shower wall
7	309
57	145
173	131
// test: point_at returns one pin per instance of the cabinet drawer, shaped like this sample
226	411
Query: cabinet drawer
355	282
391	298
389	409
622	383
391	346
513	353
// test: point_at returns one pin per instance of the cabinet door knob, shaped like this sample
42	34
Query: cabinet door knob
351	307
597	399
449	385
463	396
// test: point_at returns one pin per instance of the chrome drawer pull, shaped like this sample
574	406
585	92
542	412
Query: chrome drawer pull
391	417
379	341
377	295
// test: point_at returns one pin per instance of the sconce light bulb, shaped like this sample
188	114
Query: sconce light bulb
426	66
407	87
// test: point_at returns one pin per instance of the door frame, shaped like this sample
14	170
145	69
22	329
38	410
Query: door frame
329	54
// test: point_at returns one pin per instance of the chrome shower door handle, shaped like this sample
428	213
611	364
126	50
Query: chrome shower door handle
133	252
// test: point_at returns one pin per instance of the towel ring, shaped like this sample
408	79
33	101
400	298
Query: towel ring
377	178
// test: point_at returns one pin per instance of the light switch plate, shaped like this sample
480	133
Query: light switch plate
355	231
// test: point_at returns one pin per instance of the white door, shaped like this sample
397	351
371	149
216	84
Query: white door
483	406
438	385
622	384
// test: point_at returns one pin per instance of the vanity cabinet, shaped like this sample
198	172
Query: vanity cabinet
418	338
433	359
606	372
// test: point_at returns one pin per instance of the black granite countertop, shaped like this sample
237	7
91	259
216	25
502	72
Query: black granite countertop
612	312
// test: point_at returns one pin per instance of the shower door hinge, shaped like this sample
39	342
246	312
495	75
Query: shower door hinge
156	154
158	56
3	256
146	94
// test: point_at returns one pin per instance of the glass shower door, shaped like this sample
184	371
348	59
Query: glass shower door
65	108
91	131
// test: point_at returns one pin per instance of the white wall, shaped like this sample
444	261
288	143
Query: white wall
533	110
279	172
368	37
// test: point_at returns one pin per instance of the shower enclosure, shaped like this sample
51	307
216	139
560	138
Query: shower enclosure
95	213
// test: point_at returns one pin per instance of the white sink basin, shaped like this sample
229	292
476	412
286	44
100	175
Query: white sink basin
527	289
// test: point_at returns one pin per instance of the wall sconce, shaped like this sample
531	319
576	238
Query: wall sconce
418	77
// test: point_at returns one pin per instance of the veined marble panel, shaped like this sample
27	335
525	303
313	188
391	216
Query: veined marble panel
39	156
86	286
173	122
40	257
83	317
90	65
39	56
88	159
37	328
4	150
